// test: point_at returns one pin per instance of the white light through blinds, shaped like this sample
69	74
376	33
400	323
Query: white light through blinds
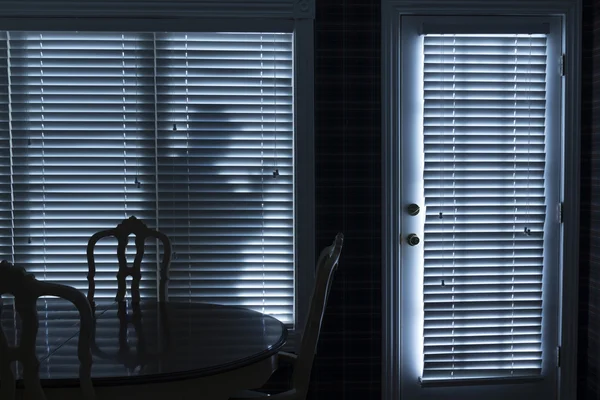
225	125
484	128
82	117
184	131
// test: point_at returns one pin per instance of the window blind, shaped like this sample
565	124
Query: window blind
82	129
484	126
184	131
225	127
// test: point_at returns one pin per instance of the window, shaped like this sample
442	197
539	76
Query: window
192	132
474	137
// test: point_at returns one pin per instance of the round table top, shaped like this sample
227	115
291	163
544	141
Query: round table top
166	341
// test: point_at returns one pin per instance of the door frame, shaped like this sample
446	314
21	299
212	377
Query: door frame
391	12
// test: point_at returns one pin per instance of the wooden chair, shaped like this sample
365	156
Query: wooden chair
26	290
302	363
129	226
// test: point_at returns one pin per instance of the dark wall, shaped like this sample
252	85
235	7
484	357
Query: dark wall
348	198
589	292
348	195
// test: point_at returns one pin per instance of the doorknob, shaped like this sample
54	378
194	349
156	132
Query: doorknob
413	209
413	239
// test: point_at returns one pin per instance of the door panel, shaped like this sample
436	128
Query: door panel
480	137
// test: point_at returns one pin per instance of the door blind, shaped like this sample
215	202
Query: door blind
484	130
192	133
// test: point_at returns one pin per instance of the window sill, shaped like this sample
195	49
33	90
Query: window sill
478	382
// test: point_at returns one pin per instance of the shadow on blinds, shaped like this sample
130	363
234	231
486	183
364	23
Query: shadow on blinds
225	162
190	132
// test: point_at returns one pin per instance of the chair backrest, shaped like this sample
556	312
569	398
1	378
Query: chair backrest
326	266
26	290
129	226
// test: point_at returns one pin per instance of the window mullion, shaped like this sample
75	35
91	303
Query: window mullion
156	175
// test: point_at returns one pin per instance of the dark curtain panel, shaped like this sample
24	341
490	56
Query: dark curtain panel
589	292
348	199
348	195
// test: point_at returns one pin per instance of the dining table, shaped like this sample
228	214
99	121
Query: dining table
152	350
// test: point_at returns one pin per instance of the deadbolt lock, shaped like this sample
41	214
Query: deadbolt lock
413	209
413	239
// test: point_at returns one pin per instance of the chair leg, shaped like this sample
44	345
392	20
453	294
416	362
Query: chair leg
7	390
31	377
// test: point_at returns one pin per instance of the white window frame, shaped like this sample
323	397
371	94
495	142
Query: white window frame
296	16
570	12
